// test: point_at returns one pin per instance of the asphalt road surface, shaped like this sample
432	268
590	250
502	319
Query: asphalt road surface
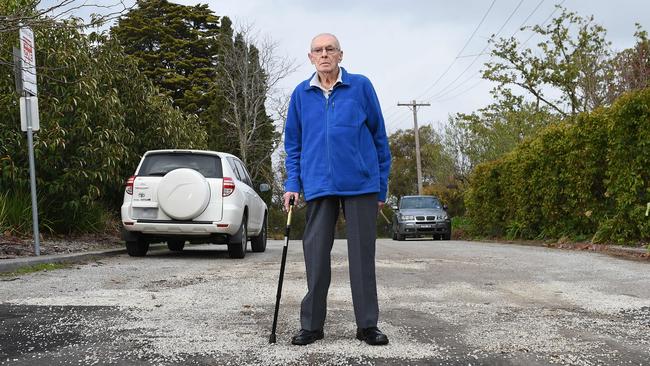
448	303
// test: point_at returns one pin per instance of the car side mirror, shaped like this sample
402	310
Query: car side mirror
394	207
445	207
265	187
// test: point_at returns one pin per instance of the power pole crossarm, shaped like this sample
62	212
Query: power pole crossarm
414	106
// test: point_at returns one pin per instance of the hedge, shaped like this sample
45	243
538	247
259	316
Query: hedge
588	176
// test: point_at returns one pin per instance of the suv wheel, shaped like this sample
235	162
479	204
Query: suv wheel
258	243
400	237
137	248
237	244
176	245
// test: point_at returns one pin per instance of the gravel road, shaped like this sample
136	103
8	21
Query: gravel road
448	303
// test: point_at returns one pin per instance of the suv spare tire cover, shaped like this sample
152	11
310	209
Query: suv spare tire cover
183	194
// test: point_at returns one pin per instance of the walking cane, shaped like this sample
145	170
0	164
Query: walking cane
284	260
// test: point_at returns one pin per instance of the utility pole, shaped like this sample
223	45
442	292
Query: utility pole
414	106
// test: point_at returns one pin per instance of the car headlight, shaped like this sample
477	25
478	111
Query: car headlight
408	217
445	217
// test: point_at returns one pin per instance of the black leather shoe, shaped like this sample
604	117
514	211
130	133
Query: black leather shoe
305	337
373	336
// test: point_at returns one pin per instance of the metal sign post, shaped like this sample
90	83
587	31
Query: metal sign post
32	175
28	84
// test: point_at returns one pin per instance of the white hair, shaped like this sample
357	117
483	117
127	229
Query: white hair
338	45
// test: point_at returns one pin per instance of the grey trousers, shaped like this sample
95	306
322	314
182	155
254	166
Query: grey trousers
360	214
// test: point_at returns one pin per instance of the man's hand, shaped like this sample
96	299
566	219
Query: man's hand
380	205
287	196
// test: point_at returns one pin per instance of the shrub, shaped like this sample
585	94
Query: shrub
98	115
589	176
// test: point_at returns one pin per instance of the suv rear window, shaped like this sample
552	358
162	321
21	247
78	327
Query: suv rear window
162	163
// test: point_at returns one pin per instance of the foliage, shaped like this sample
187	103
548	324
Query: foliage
555	181
572	61
627	177
16	214
37	13
98	113
460	227
587	176
437	164
492	131
244	115
632	66
208	70
176	47
277	222
450	194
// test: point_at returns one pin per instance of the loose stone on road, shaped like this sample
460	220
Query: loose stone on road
441	302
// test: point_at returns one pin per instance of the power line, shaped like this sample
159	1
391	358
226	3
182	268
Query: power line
464	91
395	112
486	53
459	53
483	50
544	22
528	17
444	92
397	120
472	77
523	23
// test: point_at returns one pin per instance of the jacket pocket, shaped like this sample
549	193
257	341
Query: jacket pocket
346	113
349	171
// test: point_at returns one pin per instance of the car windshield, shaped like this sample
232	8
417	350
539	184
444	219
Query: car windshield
419	202
162	163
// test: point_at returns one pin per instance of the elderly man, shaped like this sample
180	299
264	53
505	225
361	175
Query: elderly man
338	156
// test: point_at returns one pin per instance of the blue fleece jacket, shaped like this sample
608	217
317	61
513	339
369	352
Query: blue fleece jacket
336	146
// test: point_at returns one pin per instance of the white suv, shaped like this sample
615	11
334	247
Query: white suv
193	195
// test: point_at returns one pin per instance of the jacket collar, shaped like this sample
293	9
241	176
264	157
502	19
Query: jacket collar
343	74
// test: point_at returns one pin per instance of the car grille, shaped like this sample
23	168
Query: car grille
429	218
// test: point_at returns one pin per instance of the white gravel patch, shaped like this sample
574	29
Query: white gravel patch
222	315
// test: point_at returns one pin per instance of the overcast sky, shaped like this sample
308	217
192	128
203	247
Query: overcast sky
405	47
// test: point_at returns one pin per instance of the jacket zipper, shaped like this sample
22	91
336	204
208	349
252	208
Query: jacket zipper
327	135
327	122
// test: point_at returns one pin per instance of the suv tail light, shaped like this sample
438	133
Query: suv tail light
129	184
228	187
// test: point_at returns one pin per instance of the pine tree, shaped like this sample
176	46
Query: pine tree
176	47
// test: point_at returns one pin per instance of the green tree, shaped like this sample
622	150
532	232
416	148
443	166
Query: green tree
437	164
632	66
98	113
492	131
177	48
224	77
571	61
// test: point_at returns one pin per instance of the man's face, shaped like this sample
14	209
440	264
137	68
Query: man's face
325	54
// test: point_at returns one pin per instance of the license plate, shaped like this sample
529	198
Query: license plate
426	226
145	213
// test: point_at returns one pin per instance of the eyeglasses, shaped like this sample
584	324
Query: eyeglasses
319	50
